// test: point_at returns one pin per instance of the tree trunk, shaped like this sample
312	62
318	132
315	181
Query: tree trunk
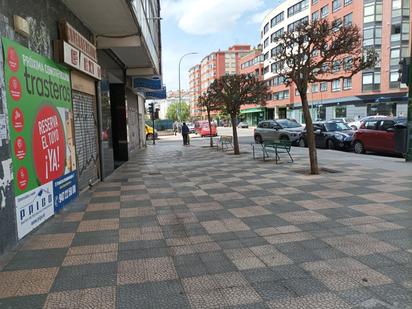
235	139
210	127
310	135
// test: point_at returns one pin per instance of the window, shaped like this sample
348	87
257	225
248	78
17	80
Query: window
371	124
266	28
315	2
324	11
347	2
323	86
347	83
347	63
276	51
340	112
315	15
278	80
266	69
336	24
336	66
293	26
347	19
277	19
386	124
395	56
277	34
266	43
336	5
371	81
315	88
298	7
336	85
266	56
393	79
280	95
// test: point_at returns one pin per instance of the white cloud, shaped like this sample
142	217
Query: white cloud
208	16
258	17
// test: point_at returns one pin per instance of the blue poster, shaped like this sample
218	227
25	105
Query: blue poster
64	190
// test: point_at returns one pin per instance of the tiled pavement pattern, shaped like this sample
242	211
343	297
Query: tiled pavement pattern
194	228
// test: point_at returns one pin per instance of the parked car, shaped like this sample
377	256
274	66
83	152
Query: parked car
202	128
342	119
280	129
191	127
355	125
331	135
243	124
149	132
378	135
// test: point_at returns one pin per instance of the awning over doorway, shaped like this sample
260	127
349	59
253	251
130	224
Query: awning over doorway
253	110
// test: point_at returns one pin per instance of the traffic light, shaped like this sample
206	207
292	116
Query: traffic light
151	108
404	71
156	113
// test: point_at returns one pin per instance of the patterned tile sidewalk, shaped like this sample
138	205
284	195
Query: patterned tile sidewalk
194	228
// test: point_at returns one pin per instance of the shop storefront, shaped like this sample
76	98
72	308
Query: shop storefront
74	50
253	115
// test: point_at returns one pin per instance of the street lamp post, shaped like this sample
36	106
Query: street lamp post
180	90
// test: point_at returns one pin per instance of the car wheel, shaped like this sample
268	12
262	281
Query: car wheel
302	143
258	139
149	136
330	144
284	138
358	147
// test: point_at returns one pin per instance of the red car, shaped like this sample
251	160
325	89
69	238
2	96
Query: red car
202	128
378	135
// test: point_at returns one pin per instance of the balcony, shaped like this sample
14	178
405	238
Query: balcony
126	27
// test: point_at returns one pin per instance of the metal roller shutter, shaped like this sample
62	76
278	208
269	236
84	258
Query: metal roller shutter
86	138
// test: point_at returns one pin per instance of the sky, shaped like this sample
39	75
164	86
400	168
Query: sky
204	26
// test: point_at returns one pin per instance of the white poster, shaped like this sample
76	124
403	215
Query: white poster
33	208
3	127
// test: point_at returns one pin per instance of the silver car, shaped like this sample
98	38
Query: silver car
280	129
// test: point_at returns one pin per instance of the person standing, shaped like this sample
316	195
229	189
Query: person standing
185	134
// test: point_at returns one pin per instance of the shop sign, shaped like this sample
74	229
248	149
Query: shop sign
41	130
78	60
73	37
156	95
147	83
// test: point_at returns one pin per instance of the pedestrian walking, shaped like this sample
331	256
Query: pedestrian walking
175	125
185	134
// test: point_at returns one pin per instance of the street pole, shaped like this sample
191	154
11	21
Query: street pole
180	89
409	119
153	126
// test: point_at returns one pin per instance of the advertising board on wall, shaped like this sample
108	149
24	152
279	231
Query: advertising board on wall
41	130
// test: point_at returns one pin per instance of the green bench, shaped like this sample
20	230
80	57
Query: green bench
276	147
225	142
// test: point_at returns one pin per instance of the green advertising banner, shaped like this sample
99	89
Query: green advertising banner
41	130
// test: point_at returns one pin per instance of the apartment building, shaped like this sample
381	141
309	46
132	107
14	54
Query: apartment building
373	91
194	90
252	63
282	18
213	66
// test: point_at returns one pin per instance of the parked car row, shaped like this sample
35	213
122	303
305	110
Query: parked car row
379	134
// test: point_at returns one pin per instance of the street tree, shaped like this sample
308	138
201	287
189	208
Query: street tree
178	111
207	102
233	91
319	51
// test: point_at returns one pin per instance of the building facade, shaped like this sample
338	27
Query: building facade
373	91
252	63
68	111
213	66
280	19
